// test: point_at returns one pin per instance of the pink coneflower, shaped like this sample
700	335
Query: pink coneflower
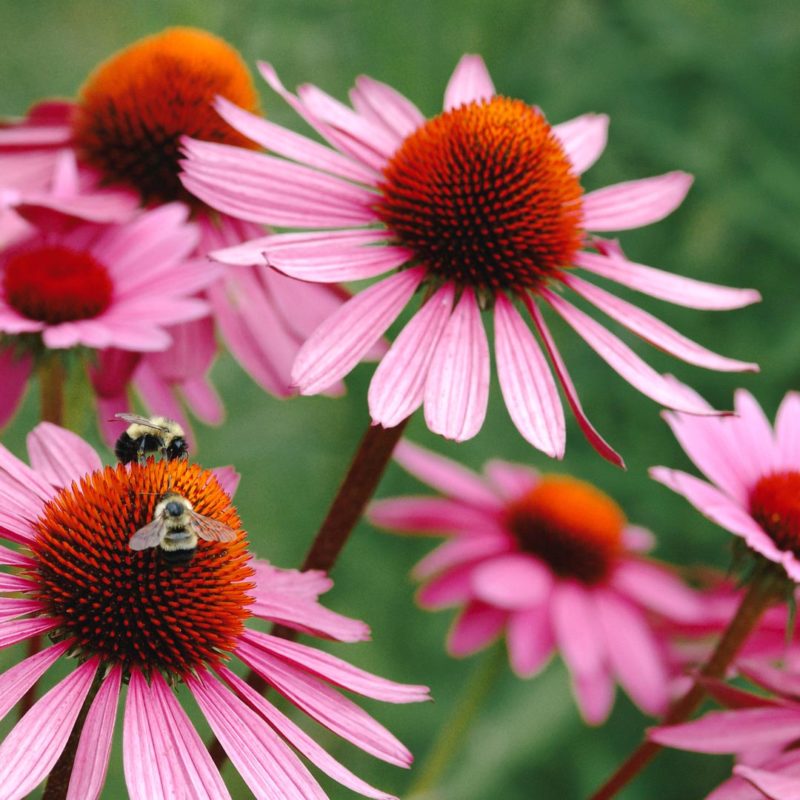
754	474
128	617
761	730
551	562
125	128
478	208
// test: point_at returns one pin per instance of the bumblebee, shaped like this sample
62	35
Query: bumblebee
176	528
150	435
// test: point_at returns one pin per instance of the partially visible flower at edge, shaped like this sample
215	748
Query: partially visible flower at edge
129	618
551	562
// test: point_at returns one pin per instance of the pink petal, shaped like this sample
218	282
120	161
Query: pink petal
514	581
17	630
634	203
300	585
460	551
676	289
307	616
595	695
576	628
430	515
787	431
15	370
327	706
530	394
60	455
633	652
778	681
735	789
475	628
11	558
266	764
457	386
397	112
340	342
451	588
13	607
655	331
398	386
16	583
446	476
94	748
510	480
336	671
469	82
300	740
657	589
583	139
32	748
754	434
16	681
593	437
773	785
530	640
732	731
623	360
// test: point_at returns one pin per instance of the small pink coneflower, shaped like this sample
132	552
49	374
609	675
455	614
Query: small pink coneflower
550	561
753	472
125	617
479	208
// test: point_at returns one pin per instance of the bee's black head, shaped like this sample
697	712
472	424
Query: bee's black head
174	508
177	448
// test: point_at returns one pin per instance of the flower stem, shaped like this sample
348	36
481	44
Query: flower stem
362	479
453	733
60	775
762	591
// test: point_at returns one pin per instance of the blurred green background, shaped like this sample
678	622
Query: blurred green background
708	87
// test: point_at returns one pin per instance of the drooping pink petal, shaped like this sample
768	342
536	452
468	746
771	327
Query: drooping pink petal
736	788
340	342
583	139
460	551
447	476
510	480
398	386
666	285
592	436
594	693
775	786
514	581
787	431
457	386
634	203
16	583
469	82
34	744
327	706
299	739
91	757
623	360
13	607
336	671
17	630
16	681
267	765
655	331
15	369
528	388
11	558
397	112
530	640
303	585
754	434
779	681
476	626
430	515
657	589
574	619
451	588
60	455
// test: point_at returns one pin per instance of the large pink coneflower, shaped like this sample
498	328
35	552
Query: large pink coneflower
127	617
125	127
754	474
550	561
479	208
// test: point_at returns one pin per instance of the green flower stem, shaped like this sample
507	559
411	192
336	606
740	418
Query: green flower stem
763	590
454	731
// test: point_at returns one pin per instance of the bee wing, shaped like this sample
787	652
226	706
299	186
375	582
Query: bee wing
135	418
210	529
149	535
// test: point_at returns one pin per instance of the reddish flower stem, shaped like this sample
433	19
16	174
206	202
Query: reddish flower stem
362	479
761	592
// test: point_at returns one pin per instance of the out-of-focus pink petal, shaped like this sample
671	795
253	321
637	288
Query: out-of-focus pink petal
583	139
634	203
228	479
94	747
60	455
34	744
430	515
735	789
775	786
451	588
575	626
530	640
460	551
657	589
638	539
477	625
344	338
514	581
528	388
787	432
595	695
779	681
469	82
445	475
457	387
666	285
14	682
510	480
398	386
266	764
14	373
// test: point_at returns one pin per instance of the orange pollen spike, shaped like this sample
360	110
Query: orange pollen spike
572	526
485	196
135	107
775	505
131	607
